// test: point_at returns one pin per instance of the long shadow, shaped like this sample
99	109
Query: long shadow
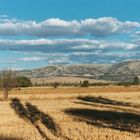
118	108
32	114
35	114
108	119
23	113
106	101
19	108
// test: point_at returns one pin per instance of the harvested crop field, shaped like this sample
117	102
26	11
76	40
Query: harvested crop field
98	113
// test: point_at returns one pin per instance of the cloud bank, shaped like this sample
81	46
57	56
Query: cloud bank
28	44
55	27
65	45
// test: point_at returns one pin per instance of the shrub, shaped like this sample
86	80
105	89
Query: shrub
85	83
56	85
135	80
23	81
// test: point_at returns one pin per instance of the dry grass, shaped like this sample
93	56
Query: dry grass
100	113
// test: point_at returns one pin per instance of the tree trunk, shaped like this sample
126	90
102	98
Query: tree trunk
5	95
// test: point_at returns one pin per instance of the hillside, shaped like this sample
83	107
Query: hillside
78	70
124	71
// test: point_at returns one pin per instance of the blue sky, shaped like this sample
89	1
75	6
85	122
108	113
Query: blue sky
36	33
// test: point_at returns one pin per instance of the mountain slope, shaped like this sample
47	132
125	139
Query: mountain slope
86	70
124	71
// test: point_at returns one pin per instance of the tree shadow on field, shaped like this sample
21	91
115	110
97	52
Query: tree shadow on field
19	108
32	115
9	138
127	119
108	119
35	114
106	101
22	112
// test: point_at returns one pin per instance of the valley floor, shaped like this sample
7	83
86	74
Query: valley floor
71	114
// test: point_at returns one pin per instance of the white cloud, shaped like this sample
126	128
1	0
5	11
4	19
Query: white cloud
101	27
56	58
31	59
65	44
44	50
136	34
107	45
4	16
61	60
107	26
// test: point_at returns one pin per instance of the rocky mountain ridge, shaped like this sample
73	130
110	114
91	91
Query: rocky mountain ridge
123	71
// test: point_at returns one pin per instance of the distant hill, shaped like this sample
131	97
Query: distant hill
124	71
78	70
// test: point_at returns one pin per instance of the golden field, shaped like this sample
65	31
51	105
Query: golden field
95	113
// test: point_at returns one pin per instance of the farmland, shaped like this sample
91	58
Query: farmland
95	113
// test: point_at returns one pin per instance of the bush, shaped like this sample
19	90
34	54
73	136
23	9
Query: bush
23	82
136	81
85	83
56	85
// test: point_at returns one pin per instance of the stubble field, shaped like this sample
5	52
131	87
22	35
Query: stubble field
97	113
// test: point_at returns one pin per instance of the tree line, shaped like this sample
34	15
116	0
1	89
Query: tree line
9	80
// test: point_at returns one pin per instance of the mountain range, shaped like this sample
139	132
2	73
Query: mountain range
123	71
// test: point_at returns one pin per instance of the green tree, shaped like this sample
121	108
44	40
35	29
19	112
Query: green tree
23	81
136	80
85	83
56	85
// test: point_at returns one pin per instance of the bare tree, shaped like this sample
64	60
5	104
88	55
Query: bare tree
7	82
